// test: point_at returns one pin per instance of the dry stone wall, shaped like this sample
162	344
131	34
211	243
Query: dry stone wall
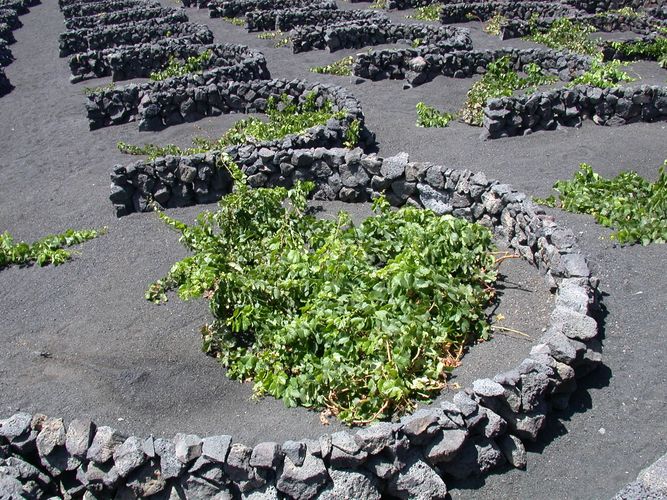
72	42
117	17
595	6
422	64
355	34
483	11
104	6
521	115
135	102
286	19
236	8
481	428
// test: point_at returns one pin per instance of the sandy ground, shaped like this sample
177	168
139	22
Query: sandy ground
125	362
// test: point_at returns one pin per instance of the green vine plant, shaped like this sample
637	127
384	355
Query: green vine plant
48	250
653	50
495	25
193	64
90	91
602	75
352	134
342	67
285	117
361	321
633	206
378	4
236	21
427	13
565	34
623	11
500	80
430	117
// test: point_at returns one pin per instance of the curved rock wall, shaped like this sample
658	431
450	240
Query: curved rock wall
139	61
123	104
104	6
521	115
483	11
422	64
236	8
481	428
286	19
117	17
355	34
72	42
594	6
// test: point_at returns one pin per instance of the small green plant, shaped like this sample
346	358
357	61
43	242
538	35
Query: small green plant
342	67
495	25
282	42
352	134
500	80
48	250
623	11
429	117
602	75
236	21
633	206
193	64
268	35
417	42
285	117
565	34
363	321
427	13
98	90
655	49
378	4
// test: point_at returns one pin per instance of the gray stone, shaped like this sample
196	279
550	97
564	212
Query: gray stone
129	456
16	425
295	451
104	443
495	424
59	461
394	166
486	387
574	265
148	447
268	492
80	434
146	481
196	487
51	436
375	438
573	324
353	175
513	449
434	200
419	426
417	480
466	404
351	484
560	346
11	488
170	466
216	447
265	455
445	445
187	447
303	483
475	458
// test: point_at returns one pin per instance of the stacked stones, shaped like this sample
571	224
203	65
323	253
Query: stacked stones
117	17
422	64
609	52
10	10
480	429
286	19
522	115
83	9
483	11
237	8
595	6
355	34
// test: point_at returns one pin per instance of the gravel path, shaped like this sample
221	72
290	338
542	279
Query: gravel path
137	366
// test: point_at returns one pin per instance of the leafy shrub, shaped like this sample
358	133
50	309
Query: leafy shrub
635	207
500	80
193	64
623	11
655	50
378	4
427	13
360	320
236	21
565	34
342	67
429	117
352	134
602	75
99	89
285	118
495	24
48	250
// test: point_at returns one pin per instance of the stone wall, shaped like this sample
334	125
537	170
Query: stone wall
104	6
266	20
236	8
18	6
123	104
610	53
521	115
285	20
11	18
6	33
422	64
72	42
594	6
483	11
5	86
478	430
117	17
139	61
6	56
355	34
